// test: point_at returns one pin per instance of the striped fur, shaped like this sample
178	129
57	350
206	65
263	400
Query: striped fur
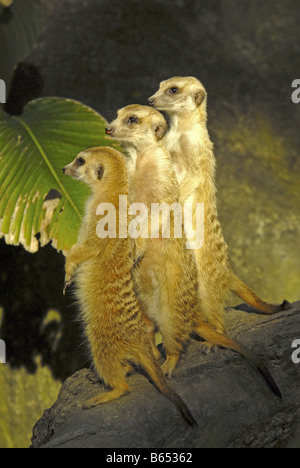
102	269
184	100
167	278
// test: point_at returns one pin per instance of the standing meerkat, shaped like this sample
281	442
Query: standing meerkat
184	99
166	277
102	269
159	275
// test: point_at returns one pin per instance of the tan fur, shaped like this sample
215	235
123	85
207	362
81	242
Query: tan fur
114	322
193	159
166	277
160	276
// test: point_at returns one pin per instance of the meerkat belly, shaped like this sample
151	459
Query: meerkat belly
147	286
178	164
154	276
102	289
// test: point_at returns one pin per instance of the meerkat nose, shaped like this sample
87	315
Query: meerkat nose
108	131
64	170
151	101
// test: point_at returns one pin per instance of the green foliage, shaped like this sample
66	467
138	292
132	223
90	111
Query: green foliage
33	150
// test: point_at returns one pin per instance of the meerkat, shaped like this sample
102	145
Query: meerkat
166	277
184	100
102	270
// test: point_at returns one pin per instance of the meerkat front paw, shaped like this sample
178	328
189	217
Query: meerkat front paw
70	270
68	282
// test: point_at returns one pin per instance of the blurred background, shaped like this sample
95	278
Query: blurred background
111	53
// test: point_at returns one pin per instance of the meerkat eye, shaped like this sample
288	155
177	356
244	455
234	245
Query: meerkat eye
80	162
133	120
173	90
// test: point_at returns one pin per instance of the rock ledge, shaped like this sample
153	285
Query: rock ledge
228	398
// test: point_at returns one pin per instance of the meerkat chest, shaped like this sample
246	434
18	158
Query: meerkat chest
180	146
173	143
179	166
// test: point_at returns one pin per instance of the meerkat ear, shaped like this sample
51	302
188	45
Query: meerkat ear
100	172
199	97
160	130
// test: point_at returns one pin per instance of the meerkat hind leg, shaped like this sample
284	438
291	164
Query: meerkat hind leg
207	347
121	389
170	364
154	348
150	330
115	378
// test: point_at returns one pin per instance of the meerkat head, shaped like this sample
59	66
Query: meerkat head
97	166
138	126
179	95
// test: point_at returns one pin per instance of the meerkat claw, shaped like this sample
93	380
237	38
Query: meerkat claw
66	285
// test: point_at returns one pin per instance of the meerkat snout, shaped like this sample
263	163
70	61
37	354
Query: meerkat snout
151	102
109	131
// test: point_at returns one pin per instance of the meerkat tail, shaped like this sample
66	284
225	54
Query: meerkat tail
159	380
243	291
212	336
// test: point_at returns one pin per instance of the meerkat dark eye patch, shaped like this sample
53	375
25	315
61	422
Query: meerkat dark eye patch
173	90
100	172
80	162
132	120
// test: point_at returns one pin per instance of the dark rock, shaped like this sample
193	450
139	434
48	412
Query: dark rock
26	85
228	398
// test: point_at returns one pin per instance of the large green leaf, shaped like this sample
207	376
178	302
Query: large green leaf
33	150
19	27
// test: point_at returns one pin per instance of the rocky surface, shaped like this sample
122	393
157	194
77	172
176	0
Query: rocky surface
229	399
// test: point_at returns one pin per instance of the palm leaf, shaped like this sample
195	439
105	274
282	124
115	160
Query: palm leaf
33	150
